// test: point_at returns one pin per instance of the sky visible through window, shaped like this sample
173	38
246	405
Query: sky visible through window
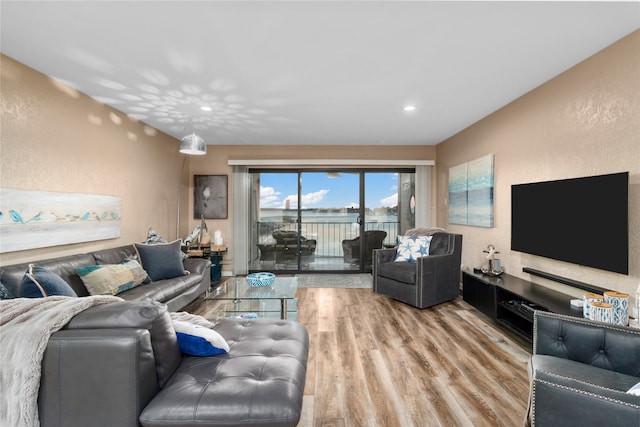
321	190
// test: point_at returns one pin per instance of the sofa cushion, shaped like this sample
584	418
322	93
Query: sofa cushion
400	271
163	290
196	340
411	248
161	260
260	382
40	282
111	279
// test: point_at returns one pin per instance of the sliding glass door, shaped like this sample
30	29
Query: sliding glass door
327	220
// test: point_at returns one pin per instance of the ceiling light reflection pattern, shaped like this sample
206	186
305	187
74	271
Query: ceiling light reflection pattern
214	107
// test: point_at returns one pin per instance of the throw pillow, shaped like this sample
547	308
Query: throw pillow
39	282
635	390
197	340
196	319
153	237
161	260
111	279
410	248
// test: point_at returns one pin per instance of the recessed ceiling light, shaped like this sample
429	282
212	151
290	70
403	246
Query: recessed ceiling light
206	108
409	108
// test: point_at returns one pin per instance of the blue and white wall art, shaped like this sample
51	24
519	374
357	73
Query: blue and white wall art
458	210
471	193
38	219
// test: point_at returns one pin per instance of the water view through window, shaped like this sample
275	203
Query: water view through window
313	220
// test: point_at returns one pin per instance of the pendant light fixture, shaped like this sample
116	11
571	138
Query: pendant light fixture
193	144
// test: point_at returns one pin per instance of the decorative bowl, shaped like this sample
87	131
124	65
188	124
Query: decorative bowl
260	279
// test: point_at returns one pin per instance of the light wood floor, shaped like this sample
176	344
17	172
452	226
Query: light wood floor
377	362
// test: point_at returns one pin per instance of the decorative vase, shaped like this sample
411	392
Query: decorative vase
588	300
620	304
601	312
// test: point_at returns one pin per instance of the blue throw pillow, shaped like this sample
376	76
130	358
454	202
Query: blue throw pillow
39	282
196	340
410	248
161	260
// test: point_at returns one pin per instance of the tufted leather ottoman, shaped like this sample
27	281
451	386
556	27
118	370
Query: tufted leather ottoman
260	382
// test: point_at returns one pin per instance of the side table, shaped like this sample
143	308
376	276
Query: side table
215	253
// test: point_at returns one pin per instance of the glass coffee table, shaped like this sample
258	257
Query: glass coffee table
238	298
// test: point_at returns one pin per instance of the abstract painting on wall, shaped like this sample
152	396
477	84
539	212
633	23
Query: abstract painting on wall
38	219
471	193
210	196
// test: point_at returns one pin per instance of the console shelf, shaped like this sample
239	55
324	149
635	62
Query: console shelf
511	301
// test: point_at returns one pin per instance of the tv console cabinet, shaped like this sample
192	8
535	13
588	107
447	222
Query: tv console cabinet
511	301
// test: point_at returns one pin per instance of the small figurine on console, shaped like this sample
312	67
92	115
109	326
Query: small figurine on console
493	267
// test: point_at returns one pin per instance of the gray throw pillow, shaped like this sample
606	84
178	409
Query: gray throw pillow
161	260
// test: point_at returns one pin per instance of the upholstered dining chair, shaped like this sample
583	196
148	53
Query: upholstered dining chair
424	281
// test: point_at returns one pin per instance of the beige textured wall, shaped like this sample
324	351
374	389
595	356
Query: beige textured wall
585	121
53	138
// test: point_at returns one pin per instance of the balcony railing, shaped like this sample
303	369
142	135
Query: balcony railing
328	235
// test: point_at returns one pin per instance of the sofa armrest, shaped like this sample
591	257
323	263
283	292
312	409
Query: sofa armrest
563	401
95	377
197	265
606	346
443	268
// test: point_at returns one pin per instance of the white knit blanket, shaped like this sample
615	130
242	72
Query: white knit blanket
25	327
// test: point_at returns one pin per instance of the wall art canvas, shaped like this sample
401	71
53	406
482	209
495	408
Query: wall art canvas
471	193
480	191
38	219
458	194
210	196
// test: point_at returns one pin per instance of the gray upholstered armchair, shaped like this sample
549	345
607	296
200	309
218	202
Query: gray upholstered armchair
430	280
580	371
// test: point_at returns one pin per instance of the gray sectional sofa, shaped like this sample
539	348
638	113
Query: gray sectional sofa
176	292
121	364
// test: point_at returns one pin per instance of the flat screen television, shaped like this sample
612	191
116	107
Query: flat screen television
582	220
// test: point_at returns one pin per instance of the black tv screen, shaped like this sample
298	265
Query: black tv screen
582	220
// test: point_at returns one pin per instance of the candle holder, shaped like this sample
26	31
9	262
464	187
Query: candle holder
493	267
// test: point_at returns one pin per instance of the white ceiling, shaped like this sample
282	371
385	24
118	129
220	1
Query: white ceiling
309	72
